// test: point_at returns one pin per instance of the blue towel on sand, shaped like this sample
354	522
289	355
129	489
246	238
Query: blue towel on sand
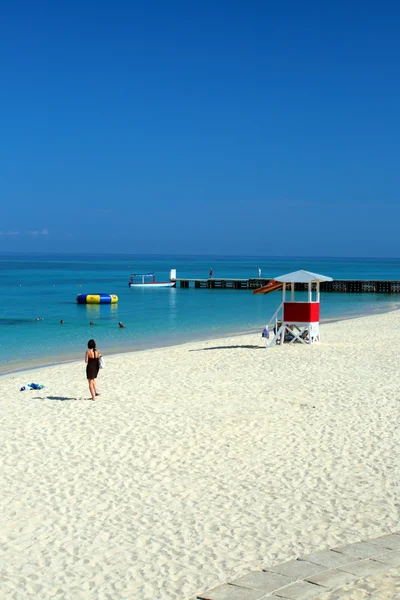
31	386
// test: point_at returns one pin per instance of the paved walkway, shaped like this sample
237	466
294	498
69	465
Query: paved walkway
368	569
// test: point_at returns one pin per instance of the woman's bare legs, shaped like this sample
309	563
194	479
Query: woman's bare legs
92	388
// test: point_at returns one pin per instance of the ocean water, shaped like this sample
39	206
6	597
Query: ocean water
46	286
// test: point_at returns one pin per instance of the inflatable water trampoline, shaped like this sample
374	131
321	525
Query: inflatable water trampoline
96	299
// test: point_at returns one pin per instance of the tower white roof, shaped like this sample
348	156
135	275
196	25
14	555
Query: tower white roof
302	277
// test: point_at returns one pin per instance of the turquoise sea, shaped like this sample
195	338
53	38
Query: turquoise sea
46	286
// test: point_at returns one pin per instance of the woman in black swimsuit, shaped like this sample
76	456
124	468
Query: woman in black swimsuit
92	369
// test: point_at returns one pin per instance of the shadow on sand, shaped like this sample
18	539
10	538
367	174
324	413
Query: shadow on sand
245	346
62	398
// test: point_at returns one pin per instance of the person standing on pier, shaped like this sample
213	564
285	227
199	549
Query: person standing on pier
211	272
259	272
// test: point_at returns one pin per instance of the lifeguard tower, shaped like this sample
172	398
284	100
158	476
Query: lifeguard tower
295	320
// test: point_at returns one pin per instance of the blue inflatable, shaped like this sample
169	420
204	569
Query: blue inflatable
96	299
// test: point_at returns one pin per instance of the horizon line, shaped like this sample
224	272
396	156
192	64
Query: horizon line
265	256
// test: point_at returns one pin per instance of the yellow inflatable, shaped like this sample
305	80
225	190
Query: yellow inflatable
97	299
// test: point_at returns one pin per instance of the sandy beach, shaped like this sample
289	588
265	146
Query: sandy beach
198	463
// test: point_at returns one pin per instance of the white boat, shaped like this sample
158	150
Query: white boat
139	280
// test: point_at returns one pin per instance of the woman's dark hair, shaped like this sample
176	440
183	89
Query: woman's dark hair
91	345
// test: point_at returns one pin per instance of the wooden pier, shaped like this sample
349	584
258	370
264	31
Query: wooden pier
228	283
354	286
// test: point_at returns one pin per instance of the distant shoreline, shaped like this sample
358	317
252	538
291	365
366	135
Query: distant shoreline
76	357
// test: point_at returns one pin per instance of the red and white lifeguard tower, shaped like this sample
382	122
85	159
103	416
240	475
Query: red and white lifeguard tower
294	320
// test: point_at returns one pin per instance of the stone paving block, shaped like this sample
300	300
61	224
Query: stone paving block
328	559
392	541
231	592
266	582
359	549
297	569
352	569
332	578
301	590
364	568
390	558
345	593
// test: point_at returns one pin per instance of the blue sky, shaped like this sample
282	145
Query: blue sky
217	127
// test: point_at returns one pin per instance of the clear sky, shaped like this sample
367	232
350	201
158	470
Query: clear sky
226	127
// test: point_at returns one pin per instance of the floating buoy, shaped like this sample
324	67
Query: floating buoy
96	298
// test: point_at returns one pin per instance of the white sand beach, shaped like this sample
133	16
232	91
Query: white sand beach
198	463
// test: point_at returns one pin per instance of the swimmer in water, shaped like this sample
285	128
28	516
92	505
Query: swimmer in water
91	323
62	322
121	325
